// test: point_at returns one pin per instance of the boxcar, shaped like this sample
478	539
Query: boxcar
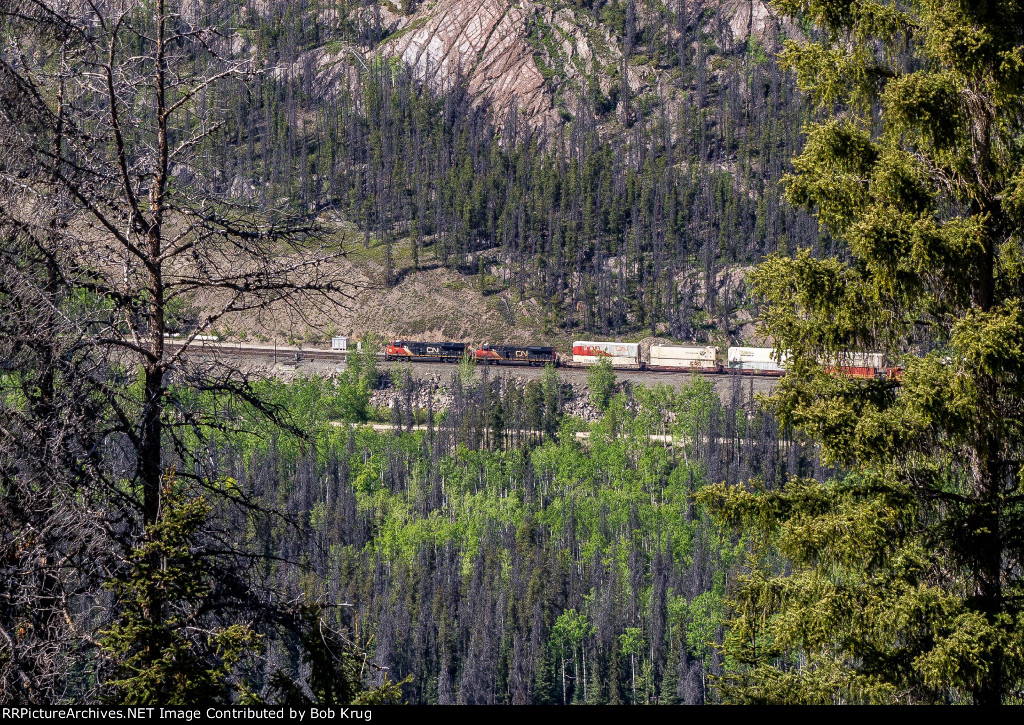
513	355
675	358
856	364
411	350
756	361
619	354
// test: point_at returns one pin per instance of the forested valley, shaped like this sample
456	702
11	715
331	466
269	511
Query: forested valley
179	528
497	557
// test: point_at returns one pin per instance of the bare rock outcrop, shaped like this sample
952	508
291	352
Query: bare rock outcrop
542	62
329	69
484	41
755	19
536	59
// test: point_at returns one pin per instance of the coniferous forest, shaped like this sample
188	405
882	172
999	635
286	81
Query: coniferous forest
179	526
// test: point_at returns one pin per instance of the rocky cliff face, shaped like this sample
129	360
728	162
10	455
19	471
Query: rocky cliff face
484	41
545	61
753	18
540	59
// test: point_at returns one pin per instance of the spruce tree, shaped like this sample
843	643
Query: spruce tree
179	659
902	579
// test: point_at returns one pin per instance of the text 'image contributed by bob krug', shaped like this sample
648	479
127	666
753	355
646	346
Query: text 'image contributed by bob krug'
281	714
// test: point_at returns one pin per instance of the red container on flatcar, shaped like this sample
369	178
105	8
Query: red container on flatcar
852	371
867	365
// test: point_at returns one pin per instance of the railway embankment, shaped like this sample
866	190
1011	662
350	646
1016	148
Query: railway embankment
432	382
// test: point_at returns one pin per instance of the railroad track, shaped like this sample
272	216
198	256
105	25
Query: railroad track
281	353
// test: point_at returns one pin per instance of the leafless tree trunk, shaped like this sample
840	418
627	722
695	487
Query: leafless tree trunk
109	217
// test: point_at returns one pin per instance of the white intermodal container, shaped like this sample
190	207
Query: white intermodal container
619	354
616	362
707	353
761	359
855	360
680	357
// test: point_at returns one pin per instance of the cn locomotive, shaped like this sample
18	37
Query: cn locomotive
513	355
434	351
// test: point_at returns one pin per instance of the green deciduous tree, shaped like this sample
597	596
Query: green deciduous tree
632	643
552	386
357	383
568	635
602	383
904	581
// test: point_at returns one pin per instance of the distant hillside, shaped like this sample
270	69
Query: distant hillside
608	162
544	62
438	303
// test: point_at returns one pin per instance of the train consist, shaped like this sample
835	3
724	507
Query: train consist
708	359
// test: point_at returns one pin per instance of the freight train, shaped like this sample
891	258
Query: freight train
708	359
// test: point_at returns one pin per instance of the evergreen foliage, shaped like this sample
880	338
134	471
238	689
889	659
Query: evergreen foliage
335	671
502	567
175	659
611	225
900	581
185	657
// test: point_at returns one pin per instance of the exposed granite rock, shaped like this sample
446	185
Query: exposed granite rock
540	60
536	59
484	41
750	18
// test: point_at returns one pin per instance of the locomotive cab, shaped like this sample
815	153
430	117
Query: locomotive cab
515	355
411	350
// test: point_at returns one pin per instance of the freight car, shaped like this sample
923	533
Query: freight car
757	361
856	364
621	355
677	358
440	351
514	355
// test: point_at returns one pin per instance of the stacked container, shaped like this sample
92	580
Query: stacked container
857	364
619	354
678	357
759	360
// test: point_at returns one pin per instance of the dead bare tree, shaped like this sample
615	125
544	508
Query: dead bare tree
111	217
